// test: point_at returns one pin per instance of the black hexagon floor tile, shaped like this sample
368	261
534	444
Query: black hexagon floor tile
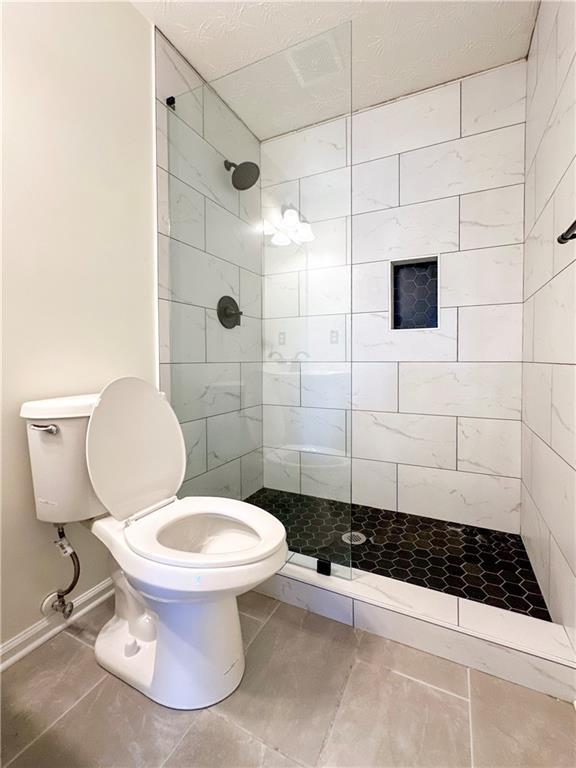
490	567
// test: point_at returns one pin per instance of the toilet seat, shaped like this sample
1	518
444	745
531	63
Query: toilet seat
213	533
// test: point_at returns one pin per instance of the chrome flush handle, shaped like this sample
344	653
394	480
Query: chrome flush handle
52	429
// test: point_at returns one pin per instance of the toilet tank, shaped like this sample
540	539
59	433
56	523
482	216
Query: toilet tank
56	430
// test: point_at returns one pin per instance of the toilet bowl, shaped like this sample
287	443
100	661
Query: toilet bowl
115	461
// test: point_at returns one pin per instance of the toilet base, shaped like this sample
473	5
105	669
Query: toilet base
185	655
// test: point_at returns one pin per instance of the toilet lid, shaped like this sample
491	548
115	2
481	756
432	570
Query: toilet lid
134	448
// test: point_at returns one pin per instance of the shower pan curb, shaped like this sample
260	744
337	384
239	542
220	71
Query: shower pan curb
530	652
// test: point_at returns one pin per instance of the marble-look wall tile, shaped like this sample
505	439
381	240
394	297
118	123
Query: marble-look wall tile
416	121
482	161
484	390
402	233
252	472
528	331
240	344
161	136
374	340
565	39
312	150
563	418
180	210
194	433
374	484
554	327
226	132
494	99
537	398
197	390
370	286
230	238
489	446
319	430
562	592
536	538
424	440
182	333
327	477
326	385
191	276
375	185
281	295
326	195
564	197
375	386
473	499
195	162
539	252
224	481
281	383
484	276
328	249
231	435
325	291
250	384
282	469
278	197
250	293
249	206
175	77
490	333
321	338
526	457
493	217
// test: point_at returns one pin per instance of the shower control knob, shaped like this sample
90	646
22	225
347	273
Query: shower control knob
228	312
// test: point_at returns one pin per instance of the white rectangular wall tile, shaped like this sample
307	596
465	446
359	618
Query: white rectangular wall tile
483	161
242	343
494	99
562	592
539	252
319	430
281	295
226	132
325	291
328	249
370	286
278	197
249	208
536	538
175	77
180	210
416	121
194	433
321	338
251	384
375	185
374	484
473	499
313	150
232	239
231	435
537	398
564	197
250	293
224	481
282	469
493	217
485	390
182	333
424	440
554	326
490	333
402	233
202	389
326	195
374	340
252	472
326	385
161	136
489	446
327	477
375	386
281	383
563	427
484	276
528	331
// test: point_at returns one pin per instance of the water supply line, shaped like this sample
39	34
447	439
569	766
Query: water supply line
60	604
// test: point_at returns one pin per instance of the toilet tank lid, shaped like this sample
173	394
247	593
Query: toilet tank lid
71	407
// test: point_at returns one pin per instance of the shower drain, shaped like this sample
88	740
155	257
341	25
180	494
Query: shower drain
353	537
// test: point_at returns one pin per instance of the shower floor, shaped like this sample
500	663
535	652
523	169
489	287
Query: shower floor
488	566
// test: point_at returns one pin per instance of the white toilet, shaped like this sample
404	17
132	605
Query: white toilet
116	461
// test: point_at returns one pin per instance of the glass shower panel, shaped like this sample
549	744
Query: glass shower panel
298	103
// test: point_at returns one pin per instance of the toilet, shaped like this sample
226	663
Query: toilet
115	461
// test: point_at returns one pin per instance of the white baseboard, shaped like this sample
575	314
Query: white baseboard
25	642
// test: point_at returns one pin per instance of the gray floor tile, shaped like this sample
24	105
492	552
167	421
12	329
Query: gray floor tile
114	726
514	727
256	605
214	742
87	627
409	661
40	687
387	720
250	628
296	670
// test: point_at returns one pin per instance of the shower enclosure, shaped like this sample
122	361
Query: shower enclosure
328	327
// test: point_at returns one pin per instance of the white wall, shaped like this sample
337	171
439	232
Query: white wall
209	246
79	275
423	421
549	370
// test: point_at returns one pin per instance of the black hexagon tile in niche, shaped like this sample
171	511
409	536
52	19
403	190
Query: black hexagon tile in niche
487	566
415	294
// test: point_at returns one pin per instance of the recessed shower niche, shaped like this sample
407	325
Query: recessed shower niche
414	293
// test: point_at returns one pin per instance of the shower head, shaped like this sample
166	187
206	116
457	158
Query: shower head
244	175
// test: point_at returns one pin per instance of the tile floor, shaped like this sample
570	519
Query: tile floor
315	693
490	567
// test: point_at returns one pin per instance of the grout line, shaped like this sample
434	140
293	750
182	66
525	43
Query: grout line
39	736
78	639
423	682
470	731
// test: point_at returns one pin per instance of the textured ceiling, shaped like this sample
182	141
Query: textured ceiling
397	48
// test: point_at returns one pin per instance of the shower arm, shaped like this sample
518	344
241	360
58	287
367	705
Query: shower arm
569	234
